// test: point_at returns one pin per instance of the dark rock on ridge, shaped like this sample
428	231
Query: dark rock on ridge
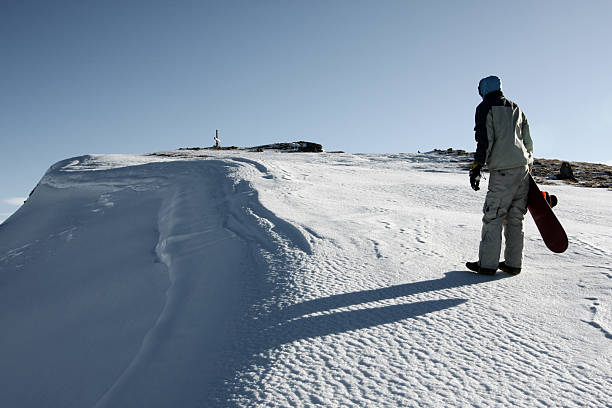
547	171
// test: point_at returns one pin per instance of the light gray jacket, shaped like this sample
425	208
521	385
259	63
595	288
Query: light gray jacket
502	134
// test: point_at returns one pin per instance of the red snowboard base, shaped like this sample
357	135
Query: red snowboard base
549	226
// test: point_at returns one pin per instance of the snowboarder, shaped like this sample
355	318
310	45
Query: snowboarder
505	146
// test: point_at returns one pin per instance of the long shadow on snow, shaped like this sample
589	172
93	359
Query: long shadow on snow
293	322
454	279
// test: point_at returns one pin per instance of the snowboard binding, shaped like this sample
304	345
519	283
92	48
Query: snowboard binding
550	199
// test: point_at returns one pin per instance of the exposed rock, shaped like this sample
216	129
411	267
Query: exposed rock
450	150
565	172
301	146
547	171
310	147
210	148
306	147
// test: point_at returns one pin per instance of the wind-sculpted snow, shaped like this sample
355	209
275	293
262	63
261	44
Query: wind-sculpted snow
176	242
223	279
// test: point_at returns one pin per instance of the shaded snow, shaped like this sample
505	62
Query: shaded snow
275	279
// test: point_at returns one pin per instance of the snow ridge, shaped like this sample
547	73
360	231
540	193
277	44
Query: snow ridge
239	279
206	216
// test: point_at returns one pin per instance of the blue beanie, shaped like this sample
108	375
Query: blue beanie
488	85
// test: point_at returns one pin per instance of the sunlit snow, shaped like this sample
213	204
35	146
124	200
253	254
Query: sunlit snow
235	278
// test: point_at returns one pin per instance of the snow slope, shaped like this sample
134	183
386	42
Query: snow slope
204	279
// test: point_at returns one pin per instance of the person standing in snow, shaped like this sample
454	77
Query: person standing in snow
505	146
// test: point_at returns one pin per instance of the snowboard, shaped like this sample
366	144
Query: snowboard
550	228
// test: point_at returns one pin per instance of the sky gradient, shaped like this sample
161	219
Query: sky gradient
82	77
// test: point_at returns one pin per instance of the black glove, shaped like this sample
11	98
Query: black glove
475	176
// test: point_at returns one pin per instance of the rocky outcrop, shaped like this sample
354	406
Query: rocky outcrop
548	171
307	147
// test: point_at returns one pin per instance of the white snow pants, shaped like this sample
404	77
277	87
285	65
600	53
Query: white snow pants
504	208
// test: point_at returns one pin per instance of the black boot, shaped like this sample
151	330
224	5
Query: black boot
509	269
474	266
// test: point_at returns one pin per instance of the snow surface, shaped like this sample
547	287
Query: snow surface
222	279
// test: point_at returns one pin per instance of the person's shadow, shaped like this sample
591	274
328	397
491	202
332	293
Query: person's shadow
296	322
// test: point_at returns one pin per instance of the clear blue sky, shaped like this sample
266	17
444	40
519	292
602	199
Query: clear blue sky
127	76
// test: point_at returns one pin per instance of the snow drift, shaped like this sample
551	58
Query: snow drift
199	279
